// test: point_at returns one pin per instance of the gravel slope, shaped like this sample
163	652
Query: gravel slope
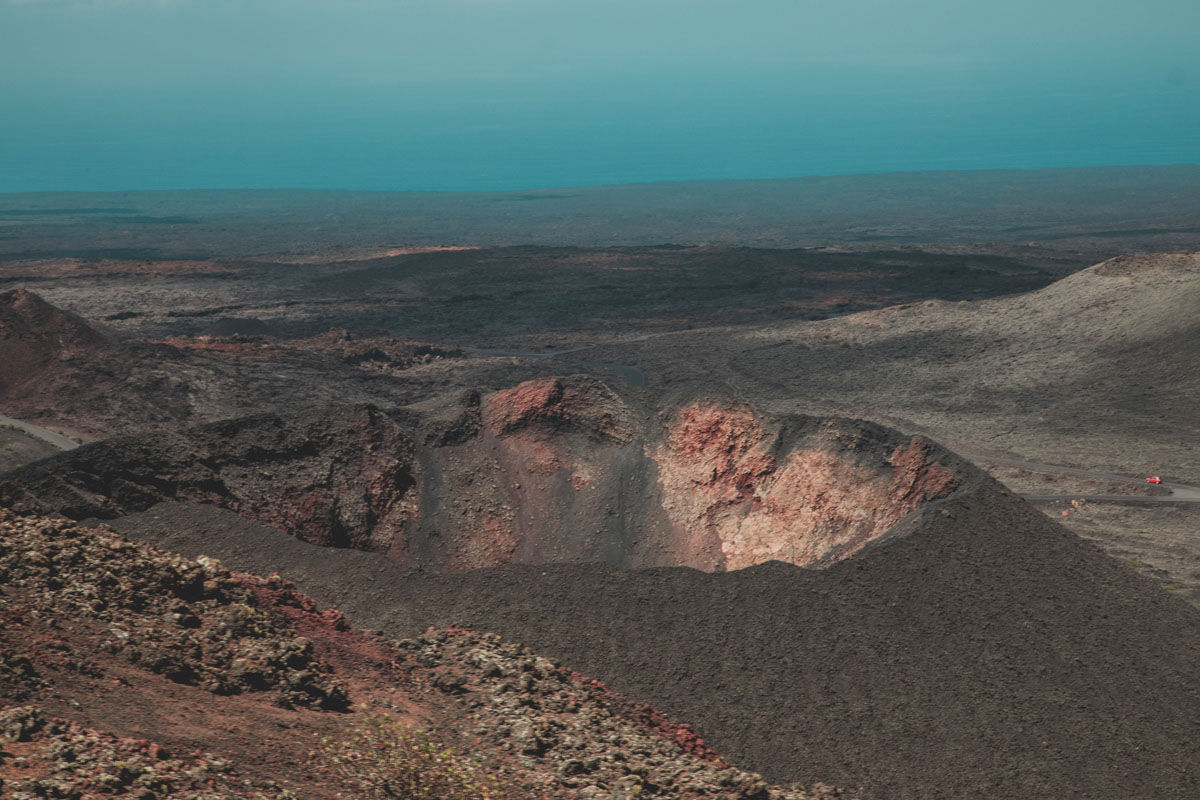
987	653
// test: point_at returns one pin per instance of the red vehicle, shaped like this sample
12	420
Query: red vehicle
1154	479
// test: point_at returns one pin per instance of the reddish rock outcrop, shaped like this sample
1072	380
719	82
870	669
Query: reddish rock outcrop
820	499
551	405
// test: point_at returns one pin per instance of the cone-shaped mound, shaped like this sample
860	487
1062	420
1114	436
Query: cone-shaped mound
35	335
55	367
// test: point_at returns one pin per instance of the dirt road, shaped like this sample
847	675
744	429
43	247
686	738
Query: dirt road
1180	493
50	437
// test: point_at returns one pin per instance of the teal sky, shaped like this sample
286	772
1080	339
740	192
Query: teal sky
166	93
382	41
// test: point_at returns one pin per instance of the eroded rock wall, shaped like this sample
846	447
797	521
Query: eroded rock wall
810	501
340	479
546	476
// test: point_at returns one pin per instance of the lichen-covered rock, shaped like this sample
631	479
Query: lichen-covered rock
19	678
71	762
190	621
571	736
19	723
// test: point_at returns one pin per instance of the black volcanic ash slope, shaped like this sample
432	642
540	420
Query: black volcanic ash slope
987	653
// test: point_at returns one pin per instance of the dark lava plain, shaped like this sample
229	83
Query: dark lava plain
566	268
522	296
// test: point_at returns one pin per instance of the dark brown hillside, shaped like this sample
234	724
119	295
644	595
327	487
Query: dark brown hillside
985	653
35	336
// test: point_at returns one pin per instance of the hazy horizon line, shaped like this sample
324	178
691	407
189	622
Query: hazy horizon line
589	186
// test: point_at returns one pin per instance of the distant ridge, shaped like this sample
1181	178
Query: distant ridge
35	336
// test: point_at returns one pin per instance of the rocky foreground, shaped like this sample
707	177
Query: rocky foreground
126	671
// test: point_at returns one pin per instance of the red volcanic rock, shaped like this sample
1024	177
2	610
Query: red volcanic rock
719	446
917	478
550	404
536	400
810	501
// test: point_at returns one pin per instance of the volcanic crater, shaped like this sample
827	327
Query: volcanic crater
551	470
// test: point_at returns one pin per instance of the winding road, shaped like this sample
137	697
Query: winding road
50	437
1181	493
